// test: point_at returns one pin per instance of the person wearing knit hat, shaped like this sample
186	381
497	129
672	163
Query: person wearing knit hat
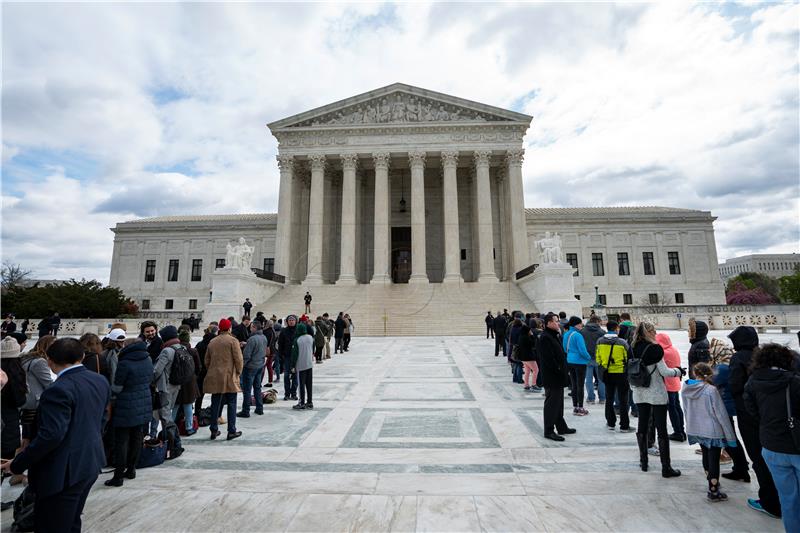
12	397
224	364
10	348
224	324
285	343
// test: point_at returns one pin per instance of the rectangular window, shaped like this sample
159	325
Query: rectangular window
627	299
679	298
269	264
572	259
649	264
597	265
653	298
602	298
197	269
463	254
145	305
220	263
674	263
172	273
150	270
622	264
168	304
192	303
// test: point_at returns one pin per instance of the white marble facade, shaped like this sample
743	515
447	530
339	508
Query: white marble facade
402	184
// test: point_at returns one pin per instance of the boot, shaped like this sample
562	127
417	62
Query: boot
641	439
715	493
666	467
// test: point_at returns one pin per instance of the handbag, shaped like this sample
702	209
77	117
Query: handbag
154	452
794	424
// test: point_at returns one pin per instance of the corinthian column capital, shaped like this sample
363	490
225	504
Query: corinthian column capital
416	158
515	157
450	158
317	161
482	158
349	161
285	162
381	160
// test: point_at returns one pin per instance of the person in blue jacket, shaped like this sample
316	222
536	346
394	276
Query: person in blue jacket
577	359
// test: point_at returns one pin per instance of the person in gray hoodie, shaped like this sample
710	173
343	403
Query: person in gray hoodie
253	355
303	365
592	332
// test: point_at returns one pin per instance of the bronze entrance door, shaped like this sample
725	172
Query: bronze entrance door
401	254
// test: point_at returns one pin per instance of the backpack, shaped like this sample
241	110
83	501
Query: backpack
204	417
182	370
638	376
24	511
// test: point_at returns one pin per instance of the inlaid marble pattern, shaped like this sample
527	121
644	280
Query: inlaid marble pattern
424	442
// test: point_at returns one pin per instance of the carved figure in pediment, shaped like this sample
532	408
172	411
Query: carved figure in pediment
412	113
385	111
398	110
442	115
430	114
371	115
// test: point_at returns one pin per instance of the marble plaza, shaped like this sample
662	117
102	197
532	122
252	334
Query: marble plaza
418	434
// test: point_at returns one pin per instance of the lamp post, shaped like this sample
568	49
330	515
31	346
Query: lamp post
597	304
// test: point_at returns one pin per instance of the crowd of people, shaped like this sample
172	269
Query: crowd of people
140	393
633	370
49	325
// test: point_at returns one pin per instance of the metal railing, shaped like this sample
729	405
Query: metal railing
271	276
527	270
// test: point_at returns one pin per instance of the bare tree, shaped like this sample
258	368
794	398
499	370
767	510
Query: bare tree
657	305
12	275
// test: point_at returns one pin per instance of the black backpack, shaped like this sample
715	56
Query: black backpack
638	376
182	370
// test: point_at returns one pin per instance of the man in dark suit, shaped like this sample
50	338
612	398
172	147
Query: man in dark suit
553	369
65	457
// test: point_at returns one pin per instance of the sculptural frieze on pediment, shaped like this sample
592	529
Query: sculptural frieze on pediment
400	108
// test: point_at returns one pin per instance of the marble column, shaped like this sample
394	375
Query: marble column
520	251
347	269
380	264
316	210
486	271
419	272
452	249
283	233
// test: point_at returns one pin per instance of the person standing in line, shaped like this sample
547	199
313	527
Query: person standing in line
339	326
699	352
319	339
499	326
327	331
247	306
285	343
302	363
774	389
577	359
149	334
271	336
253	356
224	364
242	331
707	424
347	335
55	324
189	391
64	459
489	324
202	347
653	397
554	378
39	378
307	299
131	409
673	360
612	355
745	340
527	356
13	396
591	333
166	392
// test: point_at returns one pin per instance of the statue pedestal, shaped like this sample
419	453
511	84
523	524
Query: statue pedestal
229	288
551	287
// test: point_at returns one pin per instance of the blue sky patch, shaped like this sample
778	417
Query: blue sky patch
167	95
35	164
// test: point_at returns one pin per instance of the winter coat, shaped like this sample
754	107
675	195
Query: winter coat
575	347
592	333
319	335
15	392
154	348
699	351
656	393
722	375
612	348
241	332
673	360
526	345
489	320
552	360
339	326
765	400
38	377
97	364
111	359
707	420
744	339
285	342
190	391
133	405
163	366
303	353
224	364
255	351
499	326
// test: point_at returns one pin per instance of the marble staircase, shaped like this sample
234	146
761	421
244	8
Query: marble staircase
404	309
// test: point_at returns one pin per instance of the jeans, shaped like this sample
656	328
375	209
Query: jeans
785	469
499	342
675	412
591	377
218	401
337	347
554	410
187	415
531	367
305	381
268	367
127	446
346	342
577	376
516	371
251	384
617	384
289	382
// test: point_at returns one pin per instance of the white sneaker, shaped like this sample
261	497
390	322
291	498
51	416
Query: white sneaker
653	451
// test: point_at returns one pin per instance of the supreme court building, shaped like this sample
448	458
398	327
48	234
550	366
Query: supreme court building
403	185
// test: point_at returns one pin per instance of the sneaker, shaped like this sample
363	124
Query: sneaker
653	451
576	412
286	398
536	389
626	430
553	436
736	476
234	435
584	411
299	407
716	496
527	389
755	505
611	428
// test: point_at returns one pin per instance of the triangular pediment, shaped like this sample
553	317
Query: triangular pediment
399	104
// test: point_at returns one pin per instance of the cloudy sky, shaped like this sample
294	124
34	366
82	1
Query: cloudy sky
113	112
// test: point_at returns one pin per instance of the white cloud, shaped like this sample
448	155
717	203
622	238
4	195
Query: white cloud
634	104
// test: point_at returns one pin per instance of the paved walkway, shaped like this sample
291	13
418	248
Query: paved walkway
417	434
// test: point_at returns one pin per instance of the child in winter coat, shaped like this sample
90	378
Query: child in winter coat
707	424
